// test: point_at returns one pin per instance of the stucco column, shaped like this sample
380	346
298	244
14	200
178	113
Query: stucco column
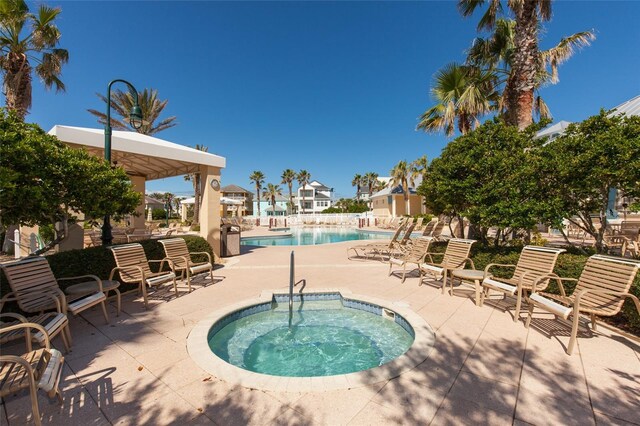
210	208
139	184
183	212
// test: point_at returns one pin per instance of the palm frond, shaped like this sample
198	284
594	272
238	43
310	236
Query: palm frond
564	50
541	109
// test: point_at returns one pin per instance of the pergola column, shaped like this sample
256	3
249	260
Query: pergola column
139	185
210	208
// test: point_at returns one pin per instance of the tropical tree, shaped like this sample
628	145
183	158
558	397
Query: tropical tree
151	107
371	179
270	193
27	38
303	179
194	178
288	176
44	182
418	168
462	94
357	181
401	175
526	61
495	53
257	177
582	166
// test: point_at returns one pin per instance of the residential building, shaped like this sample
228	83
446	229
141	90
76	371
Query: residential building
363	194
317	197
389	202
266	209
237	193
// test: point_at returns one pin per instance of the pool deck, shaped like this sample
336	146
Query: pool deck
484	368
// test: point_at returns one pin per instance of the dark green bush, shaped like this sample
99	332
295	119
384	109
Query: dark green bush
158	214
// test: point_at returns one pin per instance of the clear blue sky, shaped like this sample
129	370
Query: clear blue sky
331	87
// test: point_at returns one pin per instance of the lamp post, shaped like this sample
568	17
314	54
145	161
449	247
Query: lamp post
135	118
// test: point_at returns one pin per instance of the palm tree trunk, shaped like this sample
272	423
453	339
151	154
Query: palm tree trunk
196	204
17	84
522	79
258	205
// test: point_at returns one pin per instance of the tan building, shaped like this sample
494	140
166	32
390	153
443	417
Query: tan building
390	202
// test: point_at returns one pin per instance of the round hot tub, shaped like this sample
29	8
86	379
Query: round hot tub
328	340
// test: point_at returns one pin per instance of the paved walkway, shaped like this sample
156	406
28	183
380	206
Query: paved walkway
484	367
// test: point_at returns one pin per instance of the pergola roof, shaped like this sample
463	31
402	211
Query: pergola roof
138	154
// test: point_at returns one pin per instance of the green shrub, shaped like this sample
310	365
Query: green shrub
158	214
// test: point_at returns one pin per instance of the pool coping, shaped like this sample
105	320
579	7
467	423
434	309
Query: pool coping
420	350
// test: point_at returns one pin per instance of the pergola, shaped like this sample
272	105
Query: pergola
147	158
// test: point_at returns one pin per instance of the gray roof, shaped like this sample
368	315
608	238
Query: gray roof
629	108
234	188
392	191
149	200
553	130
321	196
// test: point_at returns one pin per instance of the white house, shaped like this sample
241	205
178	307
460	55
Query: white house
317	197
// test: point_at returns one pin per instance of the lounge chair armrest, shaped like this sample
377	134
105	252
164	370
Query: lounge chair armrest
93	278
540	278
58	298
14	316
203	252
559	280
27	326
500	265
461	264
606	292
161	262
9	297
119	268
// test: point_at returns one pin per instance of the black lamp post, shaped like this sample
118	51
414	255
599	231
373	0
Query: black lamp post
135	119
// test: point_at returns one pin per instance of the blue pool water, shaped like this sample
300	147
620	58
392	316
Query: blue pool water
313	236
325	338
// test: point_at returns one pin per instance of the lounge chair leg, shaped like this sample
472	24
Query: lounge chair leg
516	316
175	287
67	330
104	311
593	322
390	266
211	274
143	286
65	341
574	333
526	324
118	302
35	411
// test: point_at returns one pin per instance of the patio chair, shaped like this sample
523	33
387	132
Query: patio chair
36	289
176	251
429	227
437	230
36	369
54	323
456	256
600	291
535	266
419	223
369	248
414	255
133	267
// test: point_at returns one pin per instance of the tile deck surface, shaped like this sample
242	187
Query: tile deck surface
484	368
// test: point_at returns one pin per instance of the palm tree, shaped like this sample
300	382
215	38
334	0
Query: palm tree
257	177
496	53
194	178
303	179
151	106
357	181
370	179
270	194
462	94
400	175
26	37
288	176
418	168
526	59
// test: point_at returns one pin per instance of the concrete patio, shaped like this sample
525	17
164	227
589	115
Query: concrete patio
484	368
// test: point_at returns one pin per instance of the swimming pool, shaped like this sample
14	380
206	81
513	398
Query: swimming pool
304	236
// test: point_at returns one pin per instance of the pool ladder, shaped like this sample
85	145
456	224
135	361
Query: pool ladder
291	284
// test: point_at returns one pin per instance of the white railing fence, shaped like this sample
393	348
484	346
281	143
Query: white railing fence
333	219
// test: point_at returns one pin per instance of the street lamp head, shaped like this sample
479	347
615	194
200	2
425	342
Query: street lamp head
135	117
